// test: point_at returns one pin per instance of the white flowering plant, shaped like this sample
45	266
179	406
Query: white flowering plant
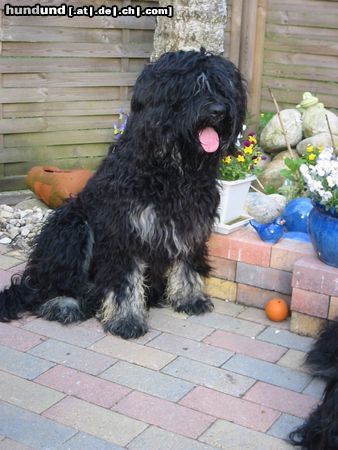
321	180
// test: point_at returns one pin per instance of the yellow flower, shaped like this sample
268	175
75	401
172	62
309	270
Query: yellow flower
257	160
116	131
312	157
240	158
227	160
248	150
309	148
320	148
252	139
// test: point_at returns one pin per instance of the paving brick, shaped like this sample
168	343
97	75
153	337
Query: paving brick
257	297
9	444
167	415
4	249
333	308
284	425
23	320
264	277
216	287
22	364
18	338
84	441
5	278
230	408
294	359
133	353
286	339
149	381
27	394
227	308
175	325
283	400
212	377
71	356
156	438
18	254
83	386
305	325
198	351
31	429
286	252
245	345
149	336
92	419
315	388
230	436
310	303
223	268
270	373
72	334
259	316
232	324
7	262
313	275
243	245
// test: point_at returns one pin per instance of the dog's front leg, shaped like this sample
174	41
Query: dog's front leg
184	290
123	309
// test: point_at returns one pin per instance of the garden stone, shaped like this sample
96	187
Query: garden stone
314	121
271	176
323	139
265	208
5	240
31	203
272	139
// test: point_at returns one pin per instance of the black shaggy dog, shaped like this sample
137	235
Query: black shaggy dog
320	431
136	235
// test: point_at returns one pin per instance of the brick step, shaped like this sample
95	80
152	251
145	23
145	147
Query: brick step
250	271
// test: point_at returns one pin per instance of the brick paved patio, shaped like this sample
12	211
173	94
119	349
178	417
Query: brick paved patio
230	379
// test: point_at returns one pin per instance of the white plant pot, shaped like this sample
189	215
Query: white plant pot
233	197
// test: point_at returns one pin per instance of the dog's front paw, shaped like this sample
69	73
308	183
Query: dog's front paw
198	304
126	327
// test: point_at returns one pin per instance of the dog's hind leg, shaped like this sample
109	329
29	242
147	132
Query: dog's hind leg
184	290
123	310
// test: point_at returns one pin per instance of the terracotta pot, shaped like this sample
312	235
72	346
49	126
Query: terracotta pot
53	185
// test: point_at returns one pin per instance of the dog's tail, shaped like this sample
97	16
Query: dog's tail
15	299
320	430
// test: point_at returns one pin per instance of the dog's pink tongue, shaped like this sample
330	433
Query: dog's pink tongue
209	139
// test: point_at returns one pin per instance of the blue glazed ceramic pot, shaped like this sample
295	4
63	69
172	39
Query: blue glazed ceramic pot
323	230
296	214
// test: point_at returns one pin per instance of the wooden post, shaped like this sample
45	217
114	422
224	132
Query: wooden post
258	63
252	52
235	34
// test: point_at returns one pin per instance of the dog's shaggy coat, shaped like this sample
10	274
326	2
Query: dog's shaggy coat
137	233
320	430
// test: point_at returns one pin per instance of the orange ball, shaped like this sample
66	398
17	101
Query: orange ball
277	309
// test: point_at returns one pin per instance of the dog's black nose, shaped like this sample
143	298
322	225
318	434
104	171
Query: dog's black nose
216	109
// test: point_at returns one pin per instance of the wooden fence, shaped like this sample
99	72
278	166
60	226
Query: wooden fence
63	83
64	80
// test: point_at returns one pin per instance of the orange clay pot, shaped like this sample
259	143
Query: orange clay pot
53	185
277	309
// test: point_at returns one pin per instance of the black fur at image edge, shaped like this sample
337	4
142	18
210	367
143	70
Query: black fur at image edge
320	430
136	235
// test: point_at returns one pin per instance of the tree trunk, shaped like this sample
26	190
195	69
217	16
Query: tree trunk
195	24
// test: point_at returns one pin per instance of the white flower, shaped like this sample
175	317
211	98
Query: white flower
326	154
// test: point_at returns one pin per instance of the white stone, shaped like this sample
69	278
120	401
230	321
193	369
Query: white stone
272	138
